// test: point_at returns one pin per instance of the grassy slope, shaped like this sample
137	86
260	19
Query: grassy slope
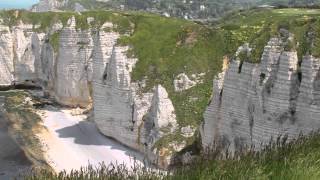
288	2
296	160
265	24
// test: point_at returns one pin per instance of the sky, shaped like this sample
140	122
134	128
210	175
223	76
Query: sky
16	4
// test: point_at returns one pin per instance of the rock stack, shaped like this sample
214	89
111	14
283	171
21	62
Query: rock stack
260	102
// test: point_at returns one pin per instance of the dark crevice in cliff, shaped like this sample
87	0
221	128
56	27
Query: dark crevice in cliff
240	67
262	78
132	116
294	91
105	73
251	110
220	97
299	71
316	86
20	86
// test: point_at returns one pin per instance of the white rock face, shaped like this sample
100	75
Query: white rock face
6	58
253	103
78	7
89	66
188	131
49	5
182	82
20	50
27	57
47	72
27	48
56	5
72	86
162	110
121	111
308	104
57	27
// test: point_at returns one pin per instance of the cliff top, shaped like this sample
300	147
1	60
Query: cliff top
204	9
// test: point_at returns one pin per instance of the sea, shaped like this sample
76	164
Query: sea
17	4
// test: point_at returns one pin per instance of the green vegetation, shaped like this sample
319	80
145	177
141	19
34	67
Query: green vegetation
54	41
291	3
204	9
263	24
167	47
296	160
24	125
43	21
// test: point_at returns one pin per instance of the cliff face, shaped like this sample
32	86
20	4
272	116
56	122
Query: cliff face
88	67
74	62
20	54
27	57
121	110
6	58
49	5
253	103
58	5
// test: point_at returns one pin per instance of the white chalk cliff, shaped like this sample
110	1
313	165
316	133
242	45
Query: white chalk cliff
121	111
74	62
48	5
27	57
253	103
20	54
57	5
88	67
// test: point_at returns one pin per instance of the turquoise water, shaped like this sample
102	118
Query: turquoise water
16	4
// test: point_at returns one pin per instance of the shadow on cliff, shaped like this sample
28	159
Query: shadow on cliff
86	133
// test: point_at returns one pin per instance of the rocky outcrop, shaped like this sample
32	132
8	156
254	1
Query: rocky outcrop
20	54
121	110
74	62
49	5
57	5
85	66
182	82
27	49
6	58
254	103
28	58
308	103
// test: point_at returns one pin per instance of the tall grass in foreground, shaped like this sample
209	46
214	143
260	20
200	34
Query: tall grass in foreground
114	172
298	159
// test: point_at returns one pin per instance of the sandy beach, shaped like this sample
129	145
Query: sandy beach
71	142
